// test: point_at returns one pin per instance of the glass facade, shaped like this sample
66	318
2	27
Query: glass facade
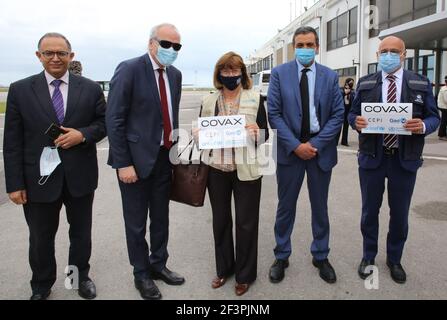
394	13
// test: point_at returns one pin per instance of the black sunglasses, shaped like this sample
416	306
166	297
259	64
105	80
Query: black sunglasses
167	44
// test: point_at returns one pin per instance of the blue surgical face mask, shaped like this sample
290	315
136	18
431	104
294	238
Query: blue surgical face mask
305	56
166	56
390	62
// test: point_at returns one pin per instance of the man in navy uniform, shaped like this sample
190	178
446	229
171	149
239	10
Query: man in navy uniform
391	157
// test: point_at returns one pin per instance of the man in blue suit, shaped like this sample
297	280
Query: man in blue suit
142	111
391	157
306	109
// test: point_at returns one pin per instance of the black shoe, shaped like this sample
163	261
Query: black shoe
276	273
168	276
327	272
362	268
40	295
397	272
148	289
87	289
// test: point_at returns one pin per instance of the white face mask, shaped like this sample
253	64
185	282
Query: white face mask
49	160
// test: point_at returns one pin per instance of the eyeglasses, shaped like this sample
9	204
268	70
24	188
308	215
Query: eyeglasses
167	44
60	54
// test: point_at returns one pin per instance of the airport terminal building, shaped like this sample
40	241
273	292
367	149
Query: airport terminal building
350	32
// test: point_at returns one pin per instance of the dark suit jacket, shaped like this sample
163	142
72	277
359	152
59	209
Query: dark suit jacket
416	89
134	119
29	113
284	110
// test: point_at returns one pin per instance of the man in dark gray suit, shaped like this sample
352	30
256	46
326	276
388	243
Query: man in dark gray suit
41	177
142	111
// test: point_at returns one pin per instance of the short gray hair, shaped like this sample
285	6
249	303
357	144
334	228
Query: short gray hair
154	31
54	35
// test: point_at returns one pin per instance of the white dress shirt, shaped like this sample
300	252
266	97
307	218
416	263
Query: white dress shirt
63	87
168	91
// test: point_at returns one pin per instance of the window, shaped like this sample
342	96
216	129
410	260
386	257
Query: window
266	78
346	72
427	66
332	34
342	30
394	13
372	68
352	26
408	64
267	62
259	66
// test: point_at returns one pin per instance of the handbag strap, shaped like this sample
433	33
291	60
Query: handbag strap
190	154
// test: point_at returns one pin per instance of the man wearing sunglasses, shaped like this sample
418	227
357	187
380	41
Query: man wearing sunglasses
143	107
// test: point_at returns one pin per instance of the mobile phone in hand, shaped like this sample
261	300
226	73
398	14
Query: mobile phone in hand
54	131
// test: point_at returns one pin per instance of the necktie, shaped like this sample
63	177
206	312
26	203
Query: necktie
164	111
305	124
390	140
58	100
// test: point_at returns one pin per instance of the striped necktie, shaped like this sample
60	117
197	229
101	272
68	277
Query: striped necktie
58	100
390	140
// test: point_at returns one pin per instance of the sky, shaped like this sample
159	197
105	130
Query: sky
104	33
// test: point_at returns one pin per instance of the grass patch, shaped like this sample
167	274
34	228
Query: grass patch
2	107
3	89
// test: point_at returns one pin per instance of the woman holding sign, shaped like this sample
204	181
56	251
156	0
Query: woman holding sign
235	171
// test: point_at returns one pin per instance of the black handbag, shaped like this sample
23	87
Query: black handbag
189	179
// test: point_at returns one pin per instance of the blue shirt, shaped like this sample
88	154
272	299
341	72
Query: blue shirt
311	75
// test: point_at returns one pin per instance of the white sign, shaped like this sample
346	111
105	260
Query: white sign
387	118
222	132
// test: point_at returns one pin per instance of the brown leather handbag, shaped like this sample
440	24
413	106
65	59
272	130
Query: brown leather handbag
189	179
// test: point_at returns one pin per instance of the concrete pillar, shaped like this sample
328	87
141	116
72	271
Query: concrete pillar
438	66
416	61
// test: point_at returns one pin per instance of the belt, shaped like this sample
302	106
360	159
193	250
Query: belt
390	152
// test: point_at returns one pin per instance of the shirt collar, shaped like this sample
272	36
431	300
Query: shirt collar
301	67
64	78
398	74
